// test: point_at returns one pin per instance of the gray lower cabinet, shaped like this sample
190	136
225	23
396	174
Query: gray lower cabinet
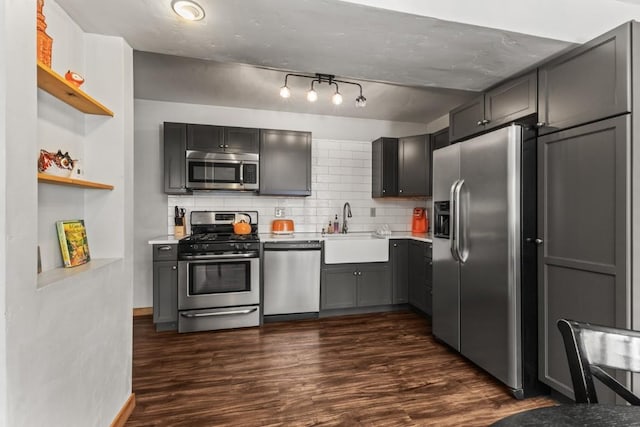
165	287
355	285
509	101
588	83
174	147
285	163
583	256
420	276
399	259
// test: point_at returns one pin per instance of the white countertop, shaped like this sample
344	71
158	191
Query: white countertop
268	237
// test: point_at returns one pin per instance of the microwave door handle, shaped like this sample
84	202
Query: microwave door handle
452	220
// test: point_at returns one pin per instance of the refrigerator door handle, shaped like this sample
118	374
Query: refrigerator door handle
460	228
452	224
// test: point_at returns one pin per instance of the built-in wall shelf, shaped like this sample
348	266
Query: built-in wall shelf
56	85
59	180
60	274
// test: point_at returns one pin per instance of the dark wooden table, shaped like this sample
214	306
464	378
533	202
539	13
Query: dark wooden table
595	415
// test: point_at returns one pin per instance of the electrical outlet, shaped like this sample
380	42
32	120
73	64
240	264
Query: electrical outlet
372	212
279	212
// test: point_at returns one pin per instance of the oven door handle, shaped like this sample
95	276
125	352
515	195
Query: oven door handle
218	313
220	256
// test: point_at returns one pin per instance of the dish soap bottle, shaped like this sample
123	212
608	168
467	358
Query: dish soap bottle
336	225
330	227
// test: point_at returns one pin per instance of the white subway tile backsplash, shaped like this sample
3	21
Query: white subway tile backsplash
341	172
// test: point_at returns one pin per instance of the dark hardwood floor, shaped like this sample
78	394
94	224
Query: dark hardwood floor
370	370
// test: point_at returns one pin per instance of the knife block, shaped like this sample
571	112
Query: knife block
179	228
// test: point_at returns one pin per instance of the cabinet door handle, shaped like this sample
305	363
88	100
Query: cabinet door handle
355	273
221	146
359	273
541	124
486	122
480	122
226	146
430	262
400	191
164	248
395	245
173	267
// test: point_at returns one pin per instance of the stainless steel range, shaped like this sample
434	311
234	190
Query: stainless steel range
219	273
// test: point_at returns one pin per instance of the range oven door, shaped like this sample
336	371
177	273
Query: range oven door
226	280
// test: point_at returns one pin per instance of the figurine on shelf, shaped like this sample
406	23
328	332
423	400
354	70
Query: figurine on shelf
55	163
74	78
45	41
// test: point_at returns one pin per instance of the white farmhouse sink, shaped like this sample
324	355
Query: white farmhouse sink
349	248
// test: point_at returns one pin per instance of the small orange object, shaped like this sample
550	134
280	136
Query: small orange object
44	41
75	78
420	223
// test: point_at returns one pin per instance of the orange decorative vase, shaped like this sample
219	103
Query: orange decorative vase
44	40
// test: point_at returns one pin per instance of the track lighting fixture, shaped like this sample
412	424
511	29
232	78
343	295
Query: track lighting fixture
312	95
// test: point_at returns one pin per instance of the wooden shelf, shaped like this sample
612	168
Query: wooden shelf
56	85
59	180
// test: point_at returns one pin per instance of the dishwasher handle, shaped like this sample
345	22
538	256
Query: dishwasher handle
293	246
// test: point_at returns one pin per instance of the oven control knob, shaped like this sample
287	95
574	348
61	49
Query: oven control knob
195	247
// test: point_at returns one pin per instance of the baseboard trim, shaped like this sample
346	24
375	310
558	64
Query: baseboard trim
123	415
142	311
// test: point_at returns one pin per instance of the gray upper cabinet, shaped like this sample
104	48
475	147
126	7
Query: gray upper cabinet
384	167
174	147
414	173
511	100
241	140
466	119
221	139
582	260
440	139
285	163
589	83
401	166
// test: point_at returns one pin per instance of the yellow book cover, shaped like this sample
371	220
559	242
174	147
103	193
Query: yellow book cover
73	242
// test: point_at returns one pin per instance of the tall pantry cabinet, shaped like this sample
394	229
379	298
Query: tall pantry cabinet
588	205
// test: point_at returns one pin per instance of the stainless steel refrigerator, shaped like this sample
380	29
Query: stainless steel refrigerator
484	205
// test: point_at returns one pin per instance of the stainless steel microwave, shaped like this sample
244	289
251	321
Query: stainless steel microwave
222	171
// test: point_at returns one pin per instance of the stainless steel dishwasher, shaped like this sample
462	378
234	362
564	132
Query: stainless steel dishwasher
292	277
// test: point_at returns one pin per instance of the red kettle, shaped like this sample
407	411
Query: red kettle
420	223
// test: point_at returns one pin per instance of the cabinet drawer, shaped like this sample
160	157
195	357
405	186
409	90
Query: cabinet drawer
165	252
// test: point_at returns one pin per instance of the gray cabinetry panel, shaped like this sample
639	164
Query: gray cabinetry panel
414	173
374	285
241	140
420	273
399	256
165	293
440	139
384	167
589	83
510	101
466	119
285	163
174	147
205	138
582	205
338	288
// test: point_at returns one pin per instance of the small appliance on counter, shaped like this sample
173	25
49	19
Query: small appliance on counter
420	222
282	226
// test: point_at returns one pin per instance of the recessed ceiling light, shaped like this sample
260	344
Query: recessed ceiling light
189	10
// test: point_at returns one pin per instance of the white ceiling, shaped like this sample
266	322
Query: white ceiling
419	54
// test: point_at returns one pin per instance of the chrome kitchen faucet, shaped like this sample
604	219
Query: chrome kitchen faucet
346	213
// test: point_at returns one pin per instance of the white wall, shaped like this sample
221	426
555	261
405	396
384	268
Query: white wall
67	345
341	172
